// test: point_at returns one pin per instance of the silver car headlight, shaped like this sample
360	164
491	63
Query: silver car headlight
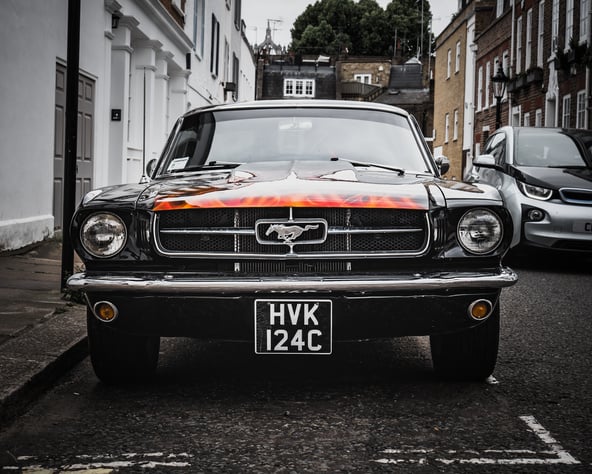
535	192
480	231
103	234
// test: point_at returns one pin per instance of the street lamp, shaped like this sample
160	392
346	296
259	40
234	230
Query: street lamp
499	82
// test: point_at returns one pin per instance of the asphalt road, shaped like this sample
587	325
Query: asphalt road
372	407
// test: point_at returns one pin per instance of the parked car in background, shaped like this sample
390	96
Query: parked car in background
291	225
545	178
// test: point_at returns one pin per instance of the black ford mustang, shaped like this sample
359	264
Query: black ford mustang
293	225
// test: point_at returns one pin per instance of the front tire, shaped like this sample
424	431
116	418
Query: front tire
119	357
469	354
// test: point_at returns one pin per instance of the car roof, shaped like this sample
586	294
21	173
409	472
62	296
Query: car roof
301	103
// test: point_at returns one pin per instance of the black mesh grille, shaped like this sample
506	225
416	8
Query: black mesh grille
233	231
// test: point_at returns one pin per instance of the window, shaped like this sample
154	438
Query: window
569	21
519	45
581	110
446	127
487	79
363	78
226	64
554	25
480	88
237	14
457	59
541	34
215	47
448	64
455	128
500	8
538	118
584	12
235	76
199	19
526	119
565	118
528	52
299	88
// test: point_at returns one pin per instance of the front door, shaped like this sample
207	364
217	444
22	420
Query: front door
84	149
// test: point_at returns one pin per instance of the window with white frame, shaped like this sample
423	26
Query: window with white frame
237	14
457	58
581	110
480	88
519	45
499	8
538	118
487	83
446	127
528	50
448	64
199	20
540	34
455	126
526	119
215	46
554	25
299	88
565	116
584	20
506	68
569	21
516	115
363	78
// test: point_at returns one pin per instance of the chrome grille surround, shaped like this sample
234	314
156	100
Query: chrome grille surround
231	233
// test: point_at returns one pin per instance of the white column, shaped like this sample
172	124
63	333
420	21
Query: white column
120	91
160	119
177	95
141	129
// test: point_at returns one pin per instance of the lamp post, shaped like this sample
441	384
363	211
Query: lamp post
499	82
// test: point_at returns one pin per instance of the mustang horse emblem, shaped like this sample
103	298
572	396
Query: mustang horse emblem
288	233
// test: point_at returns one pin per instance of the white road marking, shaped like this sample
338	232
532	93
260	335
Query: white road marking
554	455
103	463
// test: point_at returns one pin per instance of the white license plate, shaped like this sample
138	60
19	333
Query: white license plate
584	227
293	326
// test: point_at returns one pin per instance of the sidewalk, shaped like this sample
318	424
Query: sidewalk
41	334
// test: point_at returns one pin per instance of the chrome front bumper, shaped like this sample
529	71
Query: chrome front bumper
179	283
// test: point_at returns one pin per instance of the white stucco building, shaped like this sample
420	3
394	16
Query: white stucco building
142	64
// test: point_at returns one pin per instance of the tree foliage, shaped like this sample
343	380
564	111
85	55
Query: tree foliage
362	28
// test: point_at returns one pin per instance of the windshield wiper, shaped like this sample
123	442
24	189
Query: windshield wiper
207	166
400	171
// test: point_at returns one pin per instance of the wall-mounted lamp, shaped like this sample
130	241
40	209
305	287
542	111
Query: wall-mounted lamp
114	21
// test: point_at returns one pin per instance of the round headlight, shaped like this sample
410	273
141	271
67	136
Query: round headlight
103	234
480	231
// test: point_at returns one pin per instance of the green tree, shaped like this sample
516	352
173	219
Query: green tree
362	27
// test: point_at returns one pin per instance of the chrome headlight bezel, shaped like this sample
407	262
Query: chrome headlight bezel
103	234
480	231
535	192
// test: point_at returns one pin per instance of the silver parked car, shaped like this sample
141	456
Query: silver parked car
545	178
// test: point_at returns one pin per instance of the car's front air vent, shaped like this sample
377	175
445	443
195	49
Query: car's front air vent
576	196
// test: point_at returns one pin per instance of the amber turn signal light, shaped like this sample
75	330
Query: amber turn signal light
480	309
105	311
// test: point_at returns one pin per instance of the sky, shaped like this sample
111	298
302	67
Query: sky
284	12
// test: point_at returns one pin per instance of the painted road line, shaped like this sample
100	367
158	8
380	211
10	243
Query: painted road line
86	462
555	454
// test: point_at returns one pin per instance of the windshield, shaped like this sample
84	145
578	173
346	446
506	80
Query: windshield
234	137
547	148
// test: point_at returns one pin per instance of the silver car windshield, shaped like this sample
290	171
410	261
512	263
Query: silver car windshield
232	137
543	148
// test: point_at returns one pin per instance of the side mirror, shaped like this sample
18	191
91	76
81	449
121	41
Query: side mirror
150	167
443	164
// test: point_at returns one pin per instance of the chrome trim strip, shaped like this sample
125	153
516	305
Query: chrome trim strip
179	283
288	254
